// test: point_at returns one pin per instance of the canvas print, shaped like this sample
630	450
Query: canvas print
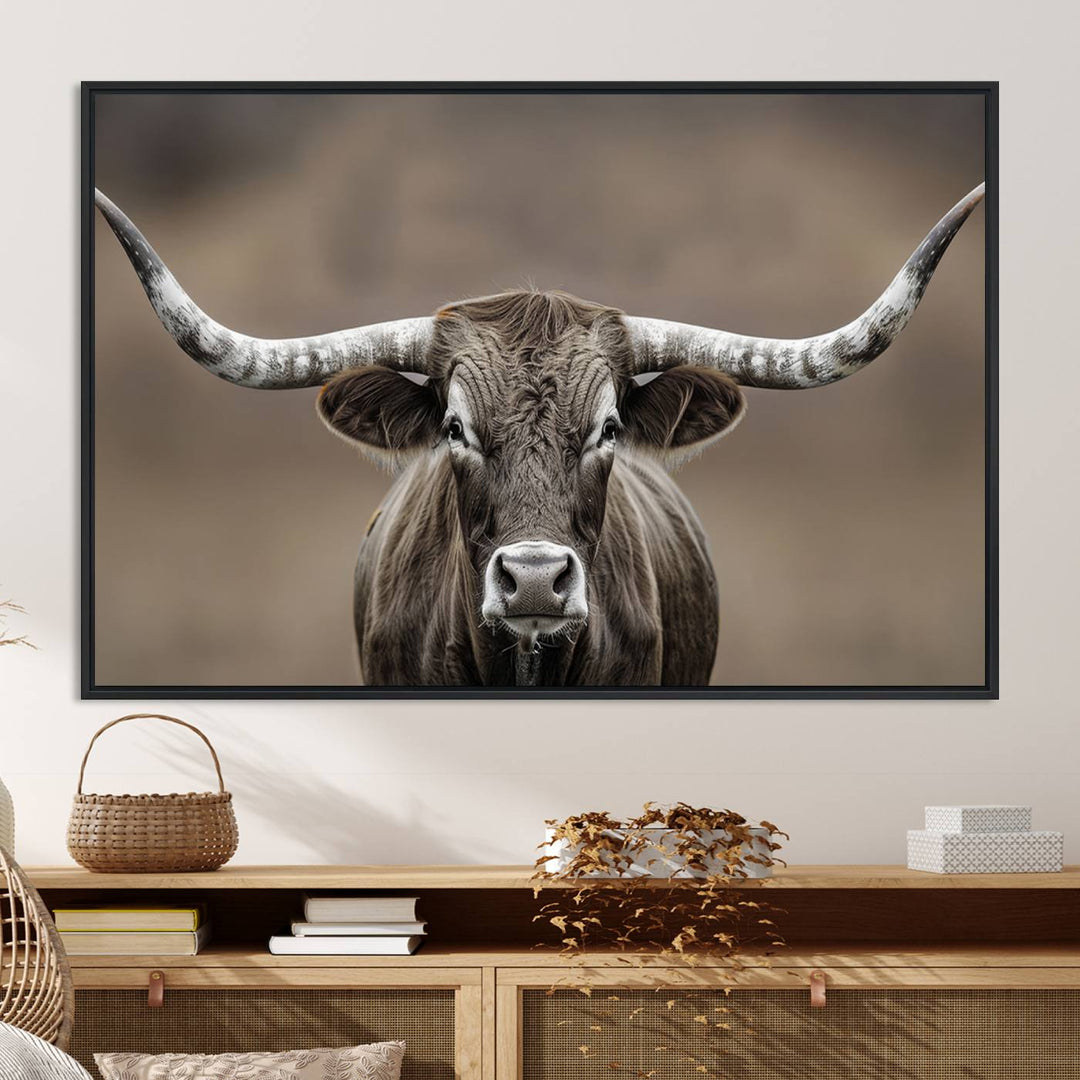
449	390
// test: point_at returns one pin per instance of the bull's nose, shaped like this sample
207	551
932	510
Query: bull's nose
538	580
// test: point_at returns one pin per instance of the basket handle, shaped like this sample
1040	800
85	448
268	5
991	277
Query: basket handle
150	716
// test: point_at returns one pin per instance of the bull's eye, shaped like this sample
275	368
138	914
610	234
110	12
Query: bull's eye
454	431
609	430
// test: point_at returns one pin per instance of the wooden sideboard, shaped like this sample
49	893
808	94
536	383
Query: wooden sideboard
874	935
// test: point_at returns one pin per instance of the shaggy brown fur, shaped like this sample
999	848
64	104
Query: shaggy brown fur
531	320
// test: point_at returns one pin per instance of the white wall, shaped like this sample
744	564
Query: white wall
472	781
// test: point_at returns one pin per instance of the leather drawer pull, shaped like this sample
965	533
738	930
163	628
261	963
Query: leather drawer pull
817	989
155	994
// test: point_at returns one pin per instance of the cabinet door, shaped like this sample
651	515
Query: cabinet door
439	1024
860	1034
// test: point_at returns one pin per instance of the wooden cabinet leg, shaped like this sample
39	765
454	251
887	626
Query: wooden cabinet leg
508	1034
487	987
468	1032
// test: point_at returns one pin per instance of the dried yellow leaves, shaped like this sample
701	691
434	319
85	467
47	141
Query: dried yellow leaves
669	887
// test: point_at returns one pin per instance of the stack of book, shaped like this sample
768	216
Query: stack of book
353	926
127	931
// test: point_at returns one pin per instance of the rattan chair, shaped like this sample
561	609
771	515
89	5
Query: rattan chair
26	1057
35	981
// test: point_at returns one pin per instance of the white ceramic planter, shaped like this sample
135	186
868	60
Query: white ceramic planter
657	857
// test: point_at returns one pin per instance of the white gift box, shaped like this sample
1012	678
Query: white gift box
962	819
986	852
657	858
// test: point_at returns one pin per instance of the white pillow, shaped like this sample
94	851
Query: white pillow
376	1061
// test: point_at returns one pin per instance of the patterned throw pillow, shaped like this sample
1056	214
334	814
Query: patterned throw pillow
376	1061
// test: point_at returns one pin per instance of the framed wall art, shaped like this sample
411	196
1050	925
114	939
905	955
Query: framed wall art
539	390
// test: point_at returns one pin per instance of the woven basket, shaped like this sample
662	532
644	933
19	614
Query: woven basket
152	833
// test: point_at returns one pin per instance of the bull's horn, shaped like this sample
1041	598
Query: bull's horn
799	363
264	363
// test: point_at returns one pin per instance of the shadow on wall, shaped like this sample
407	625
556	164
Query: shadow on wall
336	827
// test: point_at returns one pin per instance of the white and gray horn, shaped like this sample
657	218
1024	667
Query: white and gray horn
800	363
264	363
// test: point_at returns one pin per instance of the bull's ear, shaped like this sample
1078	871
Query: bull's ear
681	410
387	412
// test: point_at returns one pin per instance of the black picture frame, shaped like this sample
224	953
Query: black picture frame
987	690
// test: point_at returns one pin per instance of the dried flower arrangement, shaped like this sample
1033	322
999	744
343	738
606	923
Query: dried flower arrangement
8	607
671	886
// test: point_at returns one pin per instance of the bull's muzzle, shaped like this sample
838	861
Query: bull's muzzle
534	587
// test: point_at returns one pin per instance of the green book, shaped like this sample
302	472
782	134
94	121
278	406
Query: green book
135	943
124	919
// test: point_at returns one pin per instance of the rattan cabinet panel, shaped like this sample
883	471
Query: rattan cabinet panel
218	1021
775	1035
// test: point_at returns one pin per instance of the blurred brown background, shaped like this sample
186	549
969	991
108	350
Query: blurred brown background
846	522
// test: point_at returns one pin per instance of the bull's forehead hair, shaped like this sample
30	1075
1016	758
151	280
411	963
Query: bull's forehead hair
531	319
524	358
538	329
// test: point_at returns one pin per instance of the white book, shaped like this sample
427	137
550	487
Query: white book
361	929
345	946
342	909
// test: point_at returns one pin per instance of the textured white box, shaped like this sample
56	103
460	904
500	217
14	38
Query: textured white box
986	852
958	819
